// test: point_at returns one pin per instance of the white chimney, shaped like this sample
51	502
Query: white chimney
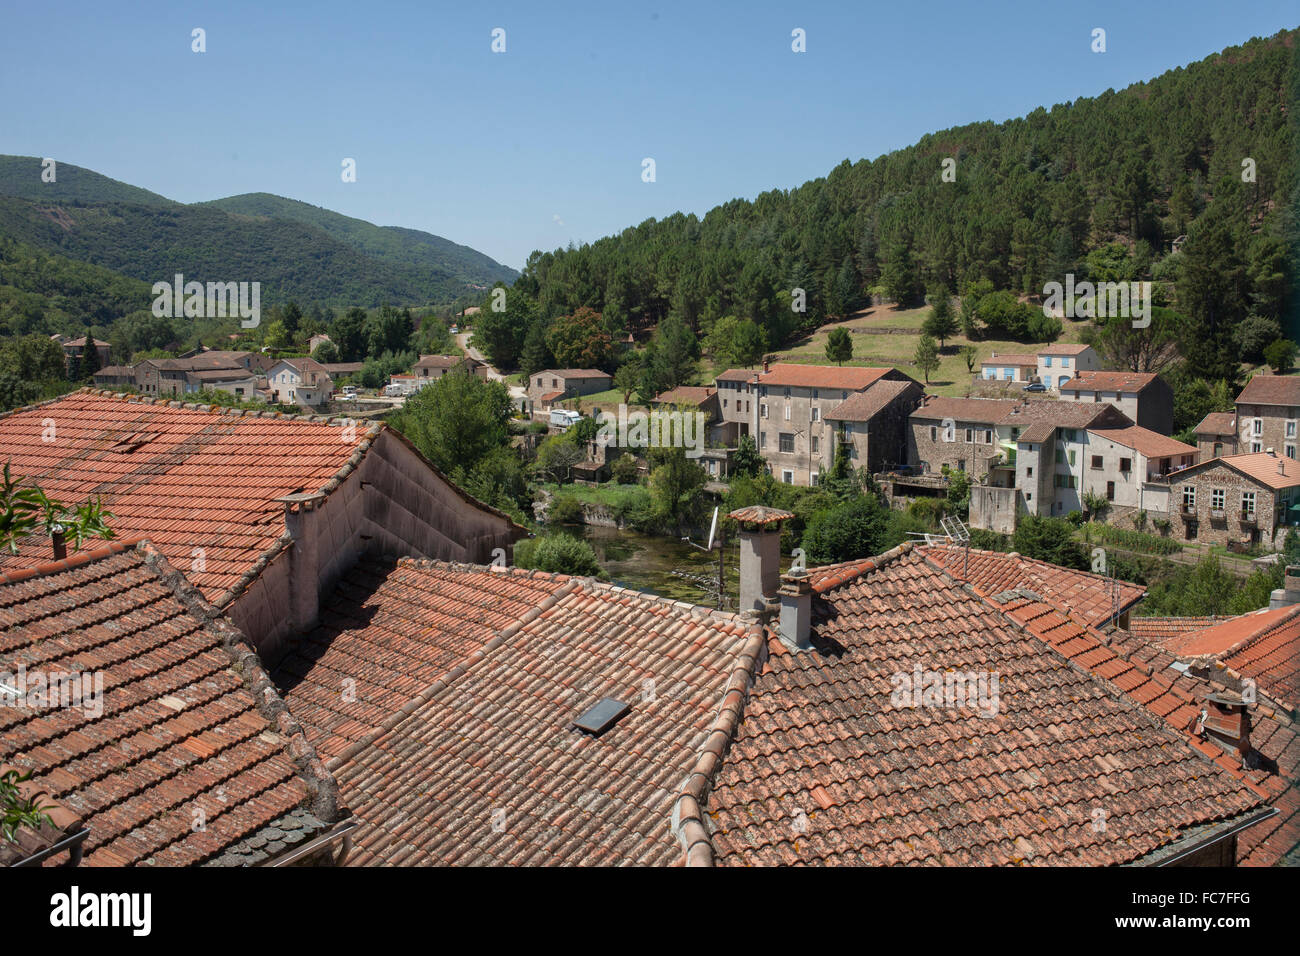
796	611
760	554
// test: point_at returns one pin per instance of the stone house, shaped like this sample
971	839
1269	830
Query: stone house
1216	435
737	389
1132	467
430	368
74	348
872	424
787	406
1143	396
553	385
1268	410
1238	501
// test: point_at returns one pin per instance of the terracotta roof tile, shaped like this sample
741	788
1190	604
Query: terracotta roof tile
864	406
1265	389
186	725
1089	596
1218	423
1111	381
945	784
1145	441
459	745
184	477
850	378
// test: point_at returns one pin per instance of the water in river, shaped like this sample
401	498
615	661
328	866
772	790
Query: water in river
666	566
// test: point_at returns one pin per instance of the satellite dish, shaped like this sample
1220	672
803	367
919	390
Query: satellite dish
713	530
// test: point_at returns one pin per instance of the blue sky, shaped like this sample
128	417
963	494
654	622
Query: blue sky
542	145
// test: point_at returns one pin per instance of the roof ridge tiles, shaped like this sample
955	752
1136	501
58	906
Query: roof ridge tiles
70	563
246	662
852	570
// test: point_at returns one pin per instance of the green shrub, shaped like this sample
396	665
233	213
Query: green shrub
624	469
564	510
558	553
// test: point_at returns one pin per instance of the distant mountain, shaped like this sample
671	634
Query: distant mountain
391	243
295	250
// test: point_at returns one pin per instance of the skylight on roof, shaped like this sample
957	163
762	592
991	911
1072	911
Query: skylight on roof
602	715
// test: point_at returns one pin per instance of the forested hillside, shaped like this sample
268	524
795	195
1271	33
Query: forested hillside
1103	188
318	257
391	243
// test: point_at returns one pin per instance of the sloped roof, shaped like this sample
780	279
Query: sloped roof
1110	381
1011	358
979	410
1091	597
439	361
1265	389
1159	628
847	377
1263	645
574	372
864	406
826	768
1218	423
459	747
1064	349
685	394
1271	470
736	375
1144	441
190	728
186	477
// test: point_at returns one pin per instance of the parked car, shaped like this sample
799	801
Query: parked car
1035	387
455	330
349	392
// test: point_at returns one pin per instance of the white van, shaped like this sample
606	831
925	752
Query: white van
393	391
564	417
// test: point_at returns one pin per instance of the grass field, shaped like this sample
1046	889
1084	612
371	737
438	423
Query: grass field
884	335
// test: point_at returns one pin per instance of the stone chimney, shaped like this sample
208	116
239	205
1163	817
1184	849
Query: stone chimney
767	366
796	611
303	608
1226	721
1289	593
760	554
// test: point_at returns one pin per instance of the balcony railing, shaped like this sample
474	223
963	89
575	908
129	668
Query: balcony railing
1248	517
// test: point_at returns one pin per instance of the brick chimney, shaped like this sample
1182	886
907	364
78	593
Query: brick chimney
796	611
767	366
760	554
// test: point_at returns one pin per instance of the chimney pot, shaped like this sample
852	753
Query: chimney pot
60	544
795	627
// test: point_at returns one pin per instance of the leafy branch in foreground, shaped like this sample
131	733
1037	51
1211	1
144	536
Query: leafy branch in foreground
25	510
17	811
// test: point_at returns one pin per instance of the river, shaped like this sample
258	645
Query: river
665	566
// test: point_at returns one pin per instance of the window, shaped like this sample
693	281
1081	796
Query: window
1069	434
970	436
1125	465
816	414
934	433
787	411
1060	456
1071	457
1110	491
787	477
816	445
1096	462
1256	446
961	465
1029	471
814	394
787	392
1248	503
1189	498
785	442
988	436
1290	429
762	440
762	410
1217	497
1047	362
1064	481
1218	449
1257	426
724	403
1290	451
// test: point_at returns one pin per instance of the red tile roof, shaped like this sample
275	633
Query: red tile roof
184	477
1158	629
1145	442
574	372
1270	470
759	514
685	394
1089	596
1064	349
826	766
460	748
864	406
982	411
1218	423
550	396
190	730
737	375
1265	389
1111	381
1262	645
848	377
1022	360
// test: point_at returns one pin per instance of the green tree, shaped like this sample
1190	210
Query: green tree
970	355
349	335
580	340
457	420
536	355
747	460
669	357
854	529
1280	355
941	323
556	457
326	353
839	345
927	356
675	485
558	553
1049	539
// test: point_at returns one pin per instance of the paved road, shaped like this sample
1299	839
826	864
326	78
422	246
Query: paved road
517	392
